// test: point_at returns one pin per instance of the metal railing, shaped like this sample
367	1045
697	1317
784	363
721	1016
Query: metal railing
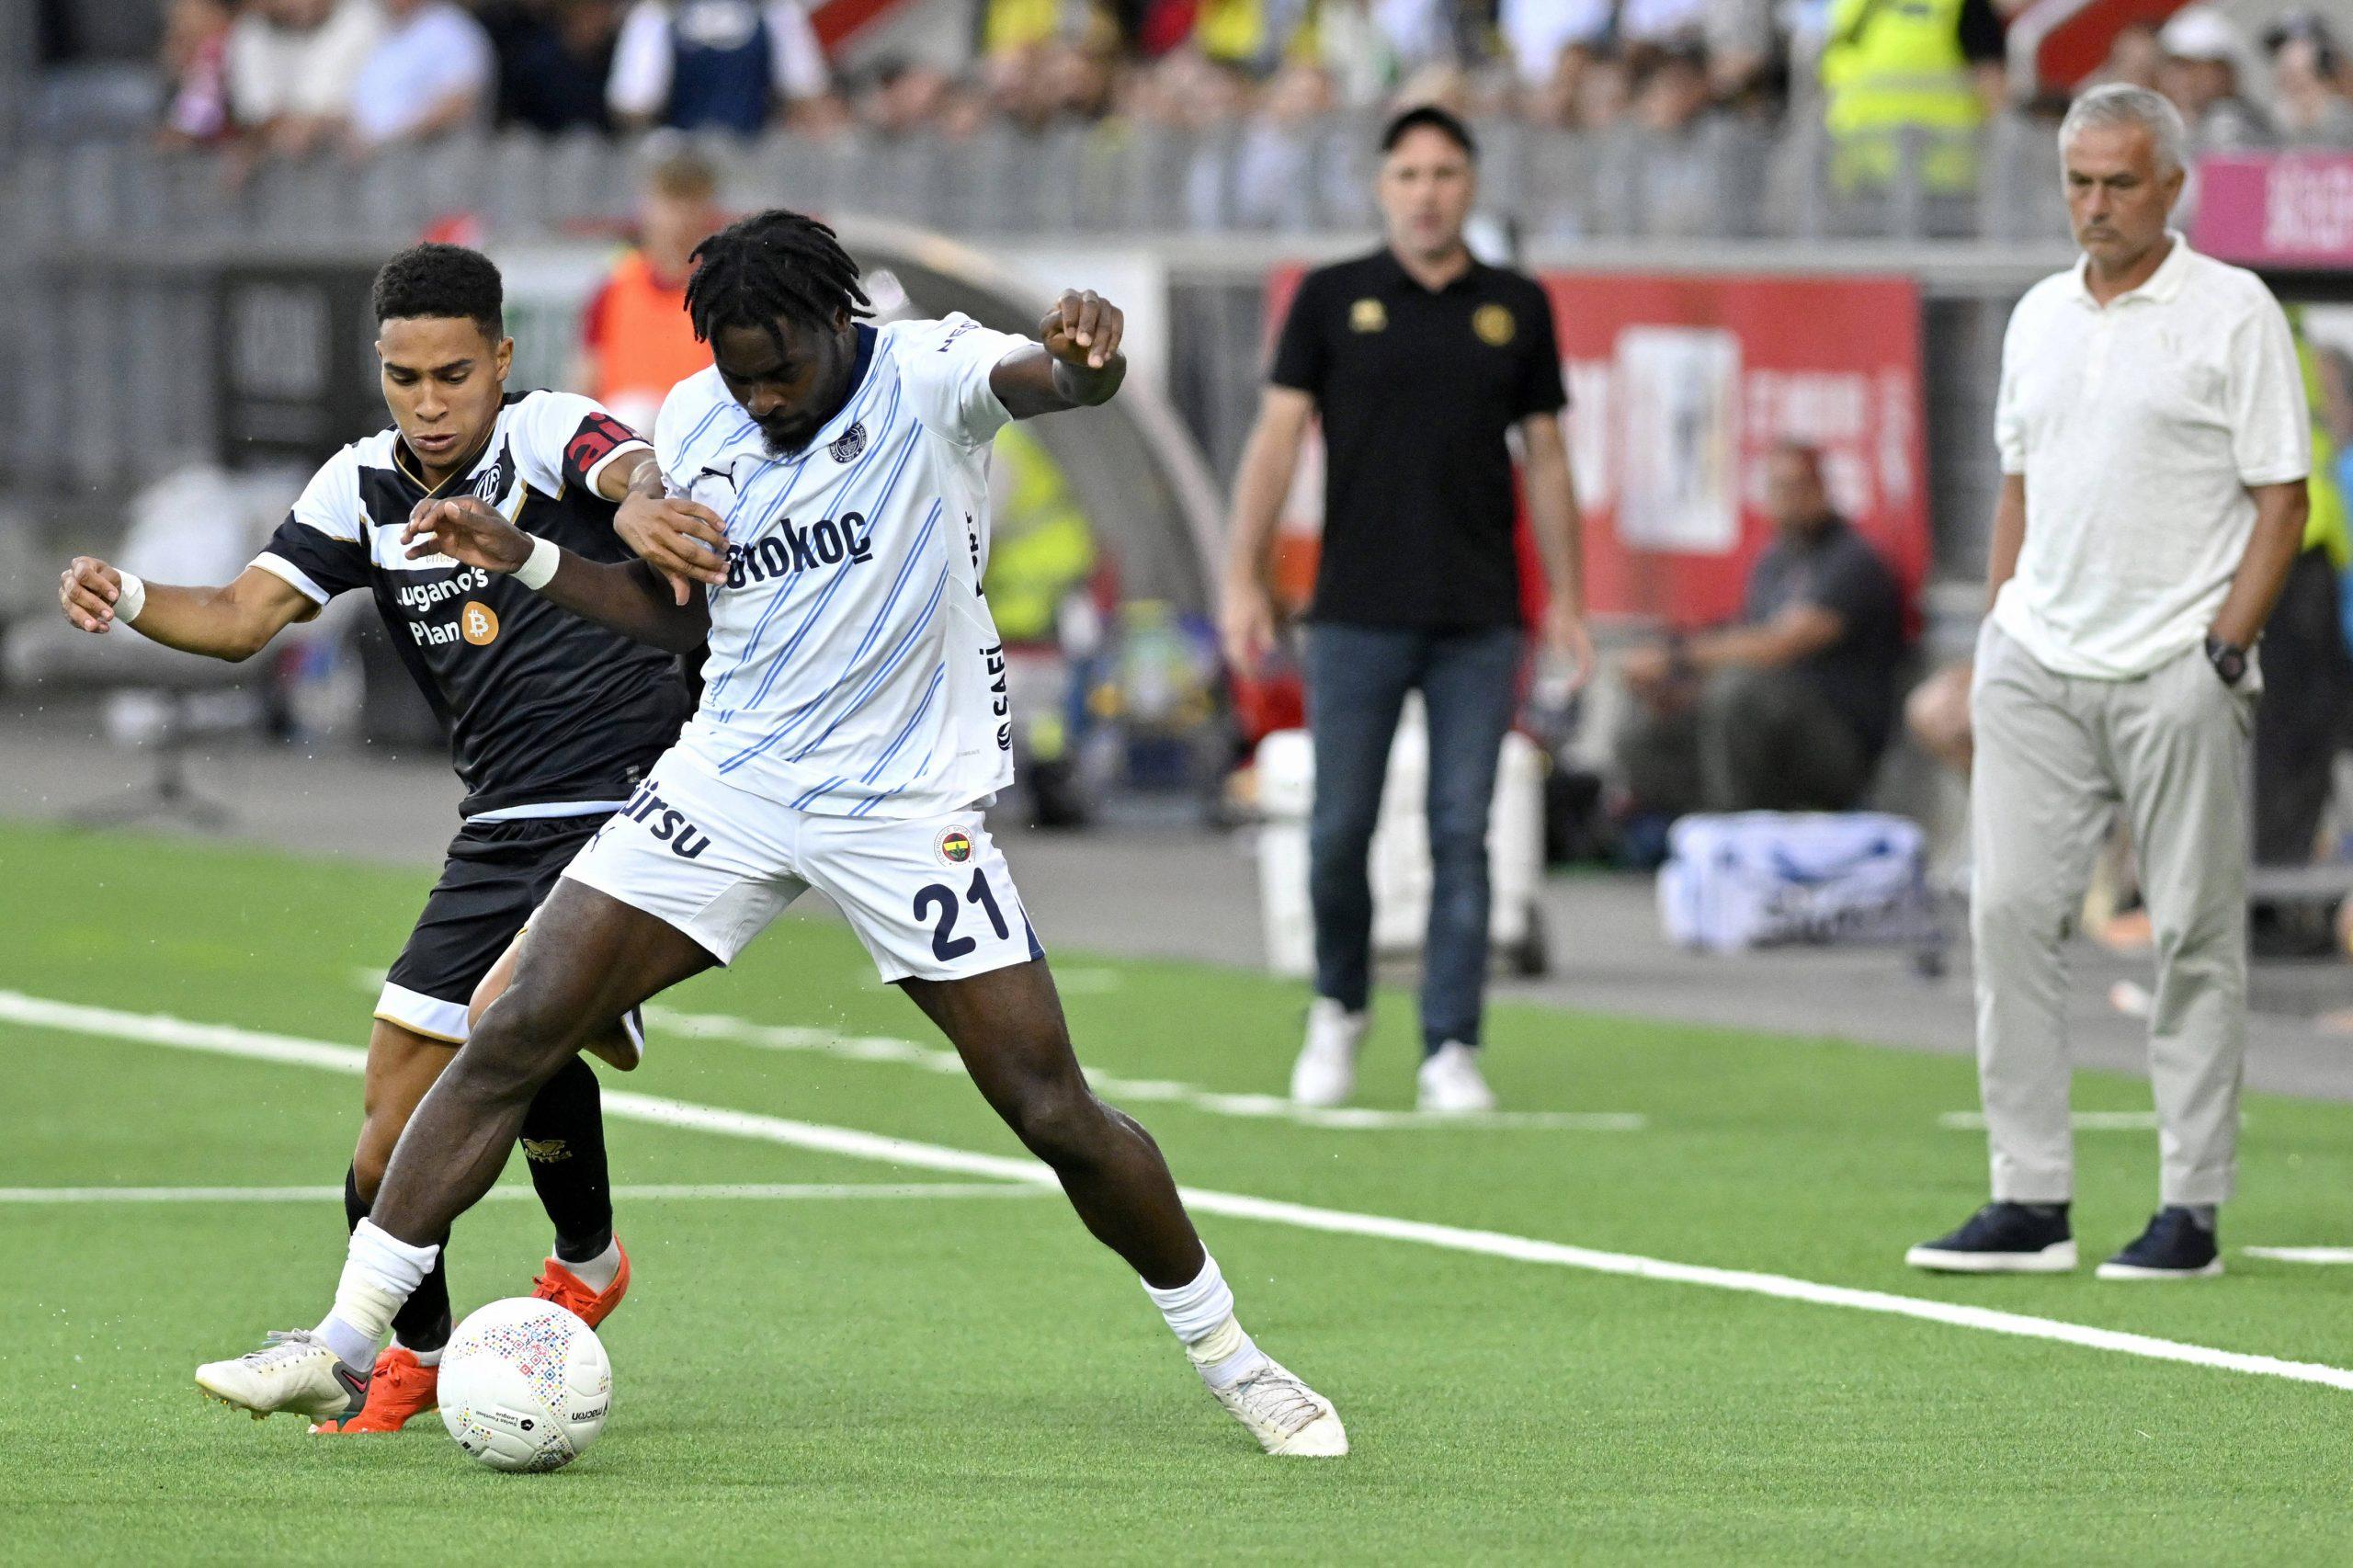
1727	178
109	255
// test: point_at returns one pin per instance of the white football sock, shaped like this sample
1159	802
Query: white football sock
1201	1316
379	1272
598	1272
423	1358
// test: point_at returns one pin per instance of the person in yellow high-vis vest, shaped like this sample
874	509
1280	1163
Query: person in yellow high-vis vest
1891	65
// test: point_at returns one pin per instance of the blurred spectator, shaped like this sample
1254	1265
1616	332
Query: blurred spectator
1076	80
1538	34
717	65
554	58
1595	94
1933	66
1009	25
1673	92
432	70
196	72
292	64
2134	58
1358	56
1789	708
1741	46
636	340
2200	73
903	97
1275	176
2312	82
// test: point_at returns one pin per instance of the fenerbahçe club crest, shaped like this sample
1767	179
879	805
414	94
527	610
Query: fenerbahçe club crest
955	847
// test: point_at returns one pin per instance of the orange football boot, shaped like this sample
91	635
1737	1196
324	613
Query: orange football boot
402	1389
566	1289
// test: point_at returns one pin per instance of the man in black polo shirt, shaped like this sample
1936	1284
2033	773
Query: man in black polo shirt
1421	362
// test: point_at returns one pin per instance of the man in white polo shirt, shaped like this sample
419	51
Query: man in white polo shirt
2154	443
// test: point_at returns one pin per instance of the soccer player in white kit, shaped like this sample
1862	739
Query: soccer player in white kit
828	488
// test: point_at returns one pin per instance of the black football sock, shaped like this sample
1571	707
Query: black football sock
423	1323
564	1144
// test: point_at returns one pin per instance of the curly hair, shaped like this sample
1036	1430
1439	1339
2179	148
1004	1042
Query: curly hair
771	265
442	280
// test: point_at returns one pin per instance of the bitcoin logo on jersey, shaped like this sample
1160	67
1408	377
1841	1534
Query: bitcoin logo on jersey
479	622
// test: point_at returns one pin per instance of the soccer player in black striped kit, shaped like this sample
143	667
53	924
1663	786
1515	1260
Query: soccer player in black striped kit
554	721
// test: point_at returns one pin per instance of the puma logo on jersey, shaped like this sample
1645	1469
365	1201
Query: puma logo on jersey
790	549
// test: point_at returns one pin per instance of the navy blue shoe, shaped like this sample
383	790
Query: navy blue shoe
2001	1238
2175	1246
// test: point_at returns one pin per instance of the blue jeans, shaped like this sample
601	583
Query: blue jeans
1356	680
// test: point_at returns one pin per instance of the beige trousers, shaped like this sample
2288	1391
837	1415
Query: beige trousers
2056	755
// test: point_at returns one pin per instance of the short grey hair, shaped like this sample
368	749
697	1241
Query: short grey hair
2120	104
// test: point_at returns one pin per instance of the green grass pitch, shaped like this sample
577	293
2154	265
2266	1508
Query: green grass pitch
950	1378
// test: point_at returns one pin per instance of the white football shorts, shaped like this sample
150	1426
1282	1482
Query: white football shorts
929	896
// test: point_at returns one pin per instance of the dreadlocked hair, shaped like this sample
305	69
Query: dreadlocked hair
772	264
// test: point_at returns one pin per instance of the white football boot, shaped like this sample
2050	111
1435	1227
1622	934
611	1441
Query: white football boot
1325	1074
295	1371
1450	1081
1286	1415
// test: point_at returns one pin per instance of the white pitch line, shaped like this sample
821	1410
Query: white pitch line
2081	1120
2302	1255
1274	1108
1163	1091
105	1022
757	1191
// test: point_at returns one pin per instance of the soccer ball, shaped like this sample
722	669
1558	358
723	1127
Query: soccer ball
525	1385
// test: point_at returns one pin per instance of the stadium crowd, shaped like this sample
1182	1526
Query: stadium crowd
291	75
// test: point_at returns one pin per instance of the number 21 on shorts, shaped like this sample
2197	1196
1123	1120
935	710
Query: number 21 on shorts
945	946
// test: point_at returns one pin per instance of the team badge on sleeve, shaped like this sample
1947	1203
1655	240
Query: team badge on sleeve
599	437
955	847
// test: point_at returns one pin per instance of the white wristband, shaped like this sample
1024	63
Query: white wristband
540	565
131	599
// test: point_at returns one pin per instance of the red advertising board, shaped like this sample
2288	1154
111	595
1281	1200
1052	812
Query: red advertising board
2291	212
1680	385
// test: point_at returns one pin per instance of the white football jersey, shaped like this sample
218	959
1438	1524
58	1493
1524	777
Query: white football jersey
854	667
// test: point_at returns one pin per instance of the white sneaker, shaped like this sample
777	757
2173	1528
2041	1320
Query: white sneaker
1325	1073
294	1372
1450	1082
1286	1415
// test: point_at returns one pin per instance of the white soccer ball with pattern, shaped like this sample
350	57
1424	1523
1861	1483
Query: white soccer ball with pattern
525	1385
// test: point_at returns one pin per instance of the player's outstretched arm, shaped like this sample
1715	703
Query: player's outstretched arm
632	600
1079	365
683	540
233	622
